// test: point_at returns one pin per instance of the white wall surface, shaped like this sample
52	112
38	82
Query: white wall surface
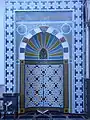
2	7
88	7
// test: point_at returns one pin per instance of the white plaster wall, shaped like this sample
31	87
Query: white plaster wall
2	7
88	7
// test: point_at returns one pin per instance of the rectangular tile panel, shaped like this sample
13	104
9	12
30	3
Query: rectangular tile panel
44	86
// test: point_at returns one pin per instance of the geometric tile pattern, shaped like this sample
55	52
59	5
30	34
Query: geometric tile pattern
78	42
44	86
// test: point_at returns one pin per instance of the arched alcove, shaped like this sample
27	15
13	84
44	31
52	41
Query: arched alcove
44	70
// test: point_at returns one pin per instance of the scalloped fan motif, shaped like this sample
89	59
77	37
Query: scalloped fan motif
45	41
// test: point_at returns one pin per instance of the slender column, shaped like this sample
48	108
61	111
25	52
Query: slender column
22	86
66	94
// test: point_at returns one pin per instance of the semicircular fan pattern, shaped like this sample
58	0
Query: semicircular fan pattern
47	41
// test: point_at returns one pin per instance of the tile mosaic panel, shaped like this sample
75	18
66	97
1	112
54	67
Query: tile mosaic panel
44	86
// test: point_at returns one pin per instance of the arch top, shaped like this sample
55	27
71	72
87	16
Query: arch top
49	30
